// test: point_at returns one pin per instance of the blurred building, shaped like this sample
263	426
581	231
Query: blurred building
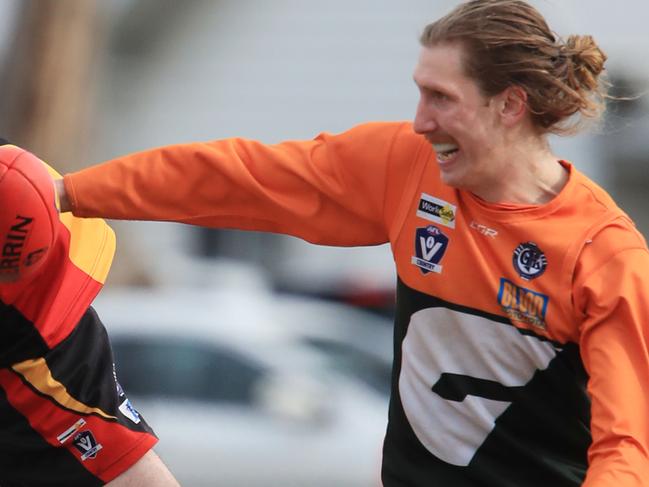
88	80
202	69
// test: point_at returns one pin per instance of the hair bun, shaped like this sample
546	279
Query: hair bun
585	54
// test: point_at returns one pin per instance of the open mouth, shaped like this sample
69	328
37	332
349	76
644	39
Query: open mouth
445	152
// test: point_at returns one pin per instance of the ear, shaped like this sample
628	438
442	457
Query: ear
513	106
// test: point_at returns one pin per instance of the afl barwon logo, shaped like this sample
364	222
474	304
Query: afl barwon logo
529	261
430	246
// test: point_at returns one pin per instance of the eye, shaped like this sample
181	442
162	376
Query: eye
439	96
435	96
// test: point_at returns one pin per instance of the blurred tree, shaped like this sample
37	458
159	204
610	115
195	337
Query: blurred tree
49	94
142	24
47	78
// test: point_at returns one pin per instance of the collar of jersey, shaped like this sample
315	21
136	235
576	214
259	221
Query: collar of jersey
517	212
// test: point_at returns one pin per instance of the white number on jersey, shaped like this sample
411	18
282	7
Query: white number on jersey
443	346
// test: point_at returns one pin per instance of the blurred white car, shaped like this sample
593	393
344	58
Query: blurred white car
252	389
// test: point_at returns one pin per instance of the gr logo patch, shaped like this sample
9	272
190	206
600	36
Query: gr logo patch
529	261
430	247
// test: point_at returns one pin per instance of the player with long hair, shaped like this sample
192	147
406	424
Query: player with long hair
521	353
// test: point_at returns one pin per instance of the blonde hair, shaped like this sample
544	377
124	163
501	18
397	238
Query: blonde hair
509	43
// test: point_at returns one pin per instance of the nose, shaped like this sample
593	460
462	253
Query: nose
425	121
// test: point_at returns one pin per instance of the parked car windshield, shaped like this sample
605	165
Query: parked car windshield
354	363
161	367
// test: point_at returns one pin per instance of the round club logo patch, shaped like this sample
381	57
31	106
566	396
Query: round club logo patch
529	261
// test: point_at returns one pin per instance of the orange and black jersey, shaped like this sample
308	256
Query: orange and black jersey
522	332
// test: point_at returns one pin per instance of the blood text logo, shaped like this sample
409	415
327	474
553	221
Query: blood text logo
523	305
430	246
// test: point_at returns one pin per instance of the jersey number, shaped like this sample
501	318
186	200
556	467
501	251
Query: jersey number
459	372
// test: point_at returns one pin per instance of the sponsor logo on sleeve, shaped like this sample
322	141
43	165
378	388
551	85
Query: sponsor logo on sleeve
522	304
430	246
529	261
436	210
87	445
129	411
126	408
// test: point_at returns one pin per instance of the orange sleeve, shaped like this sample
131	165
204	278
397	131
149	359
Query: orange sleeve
331	190
613	294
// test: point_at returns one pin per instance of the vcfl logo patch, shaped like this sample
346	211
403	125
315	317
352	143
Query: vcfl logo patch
430	247
87	445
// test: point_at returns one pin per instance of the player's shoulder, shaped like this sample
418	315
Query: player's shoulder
614	240
595	196
399	138
392	142
620	233
605	220
608	230
396	131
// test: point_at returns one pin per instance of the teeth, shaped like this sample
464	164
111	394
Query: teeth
445	151
439	148
445	156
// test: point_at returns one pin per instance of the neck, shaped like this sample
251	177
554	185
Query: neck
528	173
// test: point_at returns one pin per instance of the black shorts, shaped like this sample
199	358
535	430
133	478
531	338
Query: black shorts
64	419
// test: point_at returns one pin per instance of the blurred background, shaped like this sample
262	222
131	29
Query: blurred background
88	80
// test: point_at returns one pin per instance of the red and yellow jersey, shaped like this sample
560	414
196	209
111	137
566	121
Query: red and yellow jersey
40	311
522	332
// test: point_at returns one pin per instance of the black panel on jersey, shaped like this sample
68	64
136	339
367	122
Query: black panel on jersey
85	359
35	463
83	362
19	339
551	445
540	440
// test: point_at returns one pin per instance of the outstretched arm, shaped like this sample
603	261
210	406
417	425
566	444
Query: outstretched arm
331	190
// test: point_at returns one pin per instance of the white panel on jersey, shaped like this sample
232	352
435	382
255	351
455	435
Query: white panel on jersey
441	340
